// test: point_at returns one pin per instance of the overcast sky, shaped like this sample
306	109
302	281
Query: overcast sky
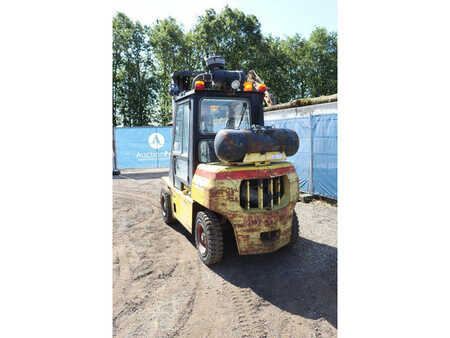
279	18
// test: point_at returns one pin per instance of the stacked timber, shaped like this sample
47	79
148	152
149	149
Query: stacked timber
303	102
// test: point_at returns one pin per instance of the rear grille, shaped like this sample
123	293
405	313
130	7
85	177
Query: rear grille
263	193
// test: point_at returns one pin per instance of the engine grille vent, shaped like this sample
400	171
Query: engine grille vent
261	193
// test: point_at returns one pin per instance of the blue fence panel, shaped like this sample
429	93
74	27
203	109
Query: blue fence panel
143	147
324	134
164	151
302	159
149	147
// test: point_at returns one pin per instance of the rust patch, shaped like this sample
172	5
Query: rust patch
245	173
222	196
226	193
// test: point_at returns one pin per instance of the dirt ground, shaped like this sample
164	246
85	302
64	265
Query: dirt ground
161	288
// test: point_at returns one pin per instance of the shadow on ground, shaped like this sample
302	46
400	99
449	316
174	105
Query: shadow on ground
301	280
141	176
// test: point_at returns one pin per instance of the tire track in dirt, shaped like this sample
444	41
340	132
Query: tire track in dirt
188	311
135	196
150	280
223	310
161	288
246	309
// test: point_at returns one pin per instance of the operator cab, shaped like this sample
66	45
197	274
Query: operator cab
212	101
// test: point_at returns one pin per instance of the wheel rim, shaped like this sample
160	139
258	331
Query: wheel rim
201	240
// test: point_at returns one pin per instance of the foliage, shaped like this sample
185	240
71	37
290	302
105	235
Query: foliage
145	57
134	84
172	51
321	63
232	34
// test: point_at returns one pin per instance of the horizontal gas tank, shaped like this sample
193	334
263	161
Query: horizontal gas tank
232	145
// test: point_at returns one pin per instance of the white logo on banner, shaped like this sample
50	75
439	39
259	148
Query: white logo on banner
156	140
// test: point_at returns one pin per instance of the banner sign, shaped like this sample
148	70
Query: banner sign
143	147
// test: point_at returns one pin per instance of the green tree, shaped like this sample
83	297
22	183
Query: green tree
133	73
237	37
320	60
273	67
122	30
231	34
145	57
173	51
311	64
294	51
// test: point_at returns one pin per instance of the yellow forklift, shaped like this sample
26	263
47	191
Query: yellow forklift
228	170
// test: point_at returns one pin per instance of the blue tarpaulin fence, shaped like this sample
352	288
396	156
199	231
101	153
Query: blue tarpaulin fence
315	161
324	155
301	159
143	147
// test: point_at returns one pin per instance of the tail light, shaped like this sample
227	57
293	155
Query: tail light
199	85
262	88
248	86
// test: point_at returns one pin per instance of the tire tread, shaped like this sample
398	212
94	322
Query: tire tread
211	226
168	219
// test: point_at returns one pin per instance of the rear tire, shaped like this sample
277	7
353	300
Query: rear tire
165	208
208	237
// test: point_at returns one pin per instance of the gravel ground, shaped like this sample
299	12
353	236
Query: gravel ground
161	288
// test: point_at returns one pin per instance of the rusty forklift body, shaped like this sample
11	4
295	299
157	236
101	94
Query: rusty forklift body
254	195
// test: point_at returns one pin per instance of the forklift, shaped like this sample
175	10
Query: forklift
227	170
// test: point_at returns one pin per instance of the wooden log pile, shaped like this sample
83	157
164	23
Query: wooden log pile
303	102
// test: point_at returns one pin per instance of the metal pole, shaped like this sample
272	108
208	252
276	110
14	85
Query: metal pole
115	170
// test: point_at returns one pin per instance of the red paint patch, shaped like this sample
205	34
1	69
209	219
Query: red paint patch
245	174
205	173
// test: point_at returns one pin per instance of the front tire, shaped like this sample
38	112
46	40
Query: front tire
165	208
208	237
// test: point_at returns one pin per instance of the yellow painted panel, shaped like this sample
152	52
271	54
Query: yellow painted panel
266	157
184	208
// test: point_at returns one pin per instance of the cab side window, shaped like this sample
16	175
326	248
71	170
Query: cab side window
180	143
